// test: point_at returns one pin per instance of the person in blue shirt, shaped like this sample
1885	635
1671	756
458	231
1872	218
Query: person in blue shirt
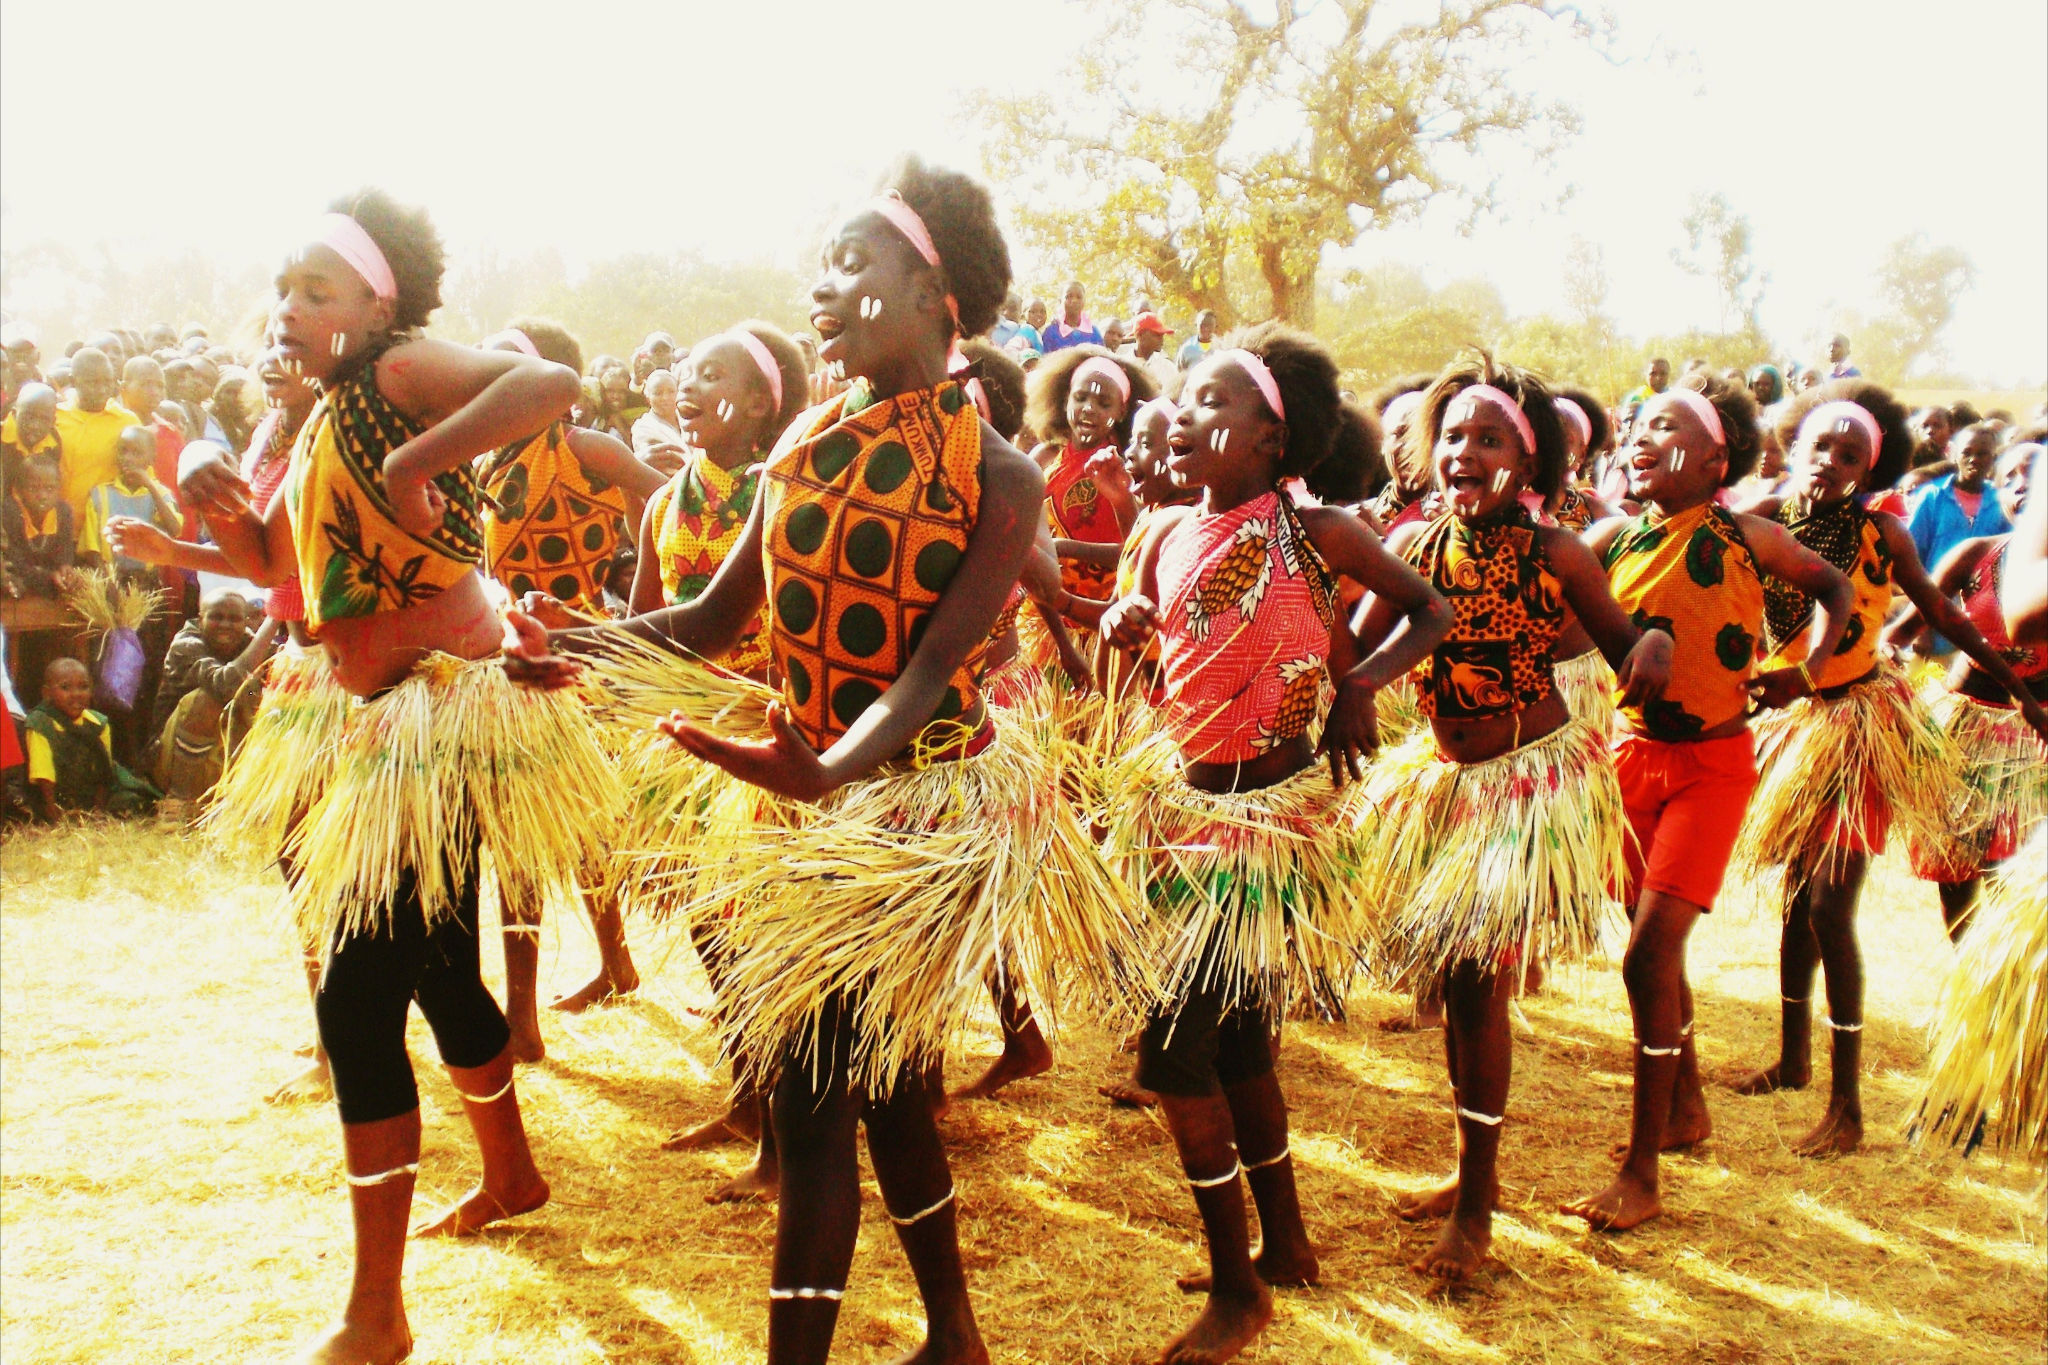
1959	506
1195	347
1073	327
1009	326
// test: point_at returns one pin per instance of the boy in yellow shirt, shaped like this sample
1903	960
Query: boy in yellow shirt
90	427
132	492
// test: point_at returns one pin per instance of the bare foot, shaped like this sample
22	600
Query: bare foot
962	1346
1771	1078
1030	1057
751	1186
1688	1126
480	1208
351	1343
311	1084
727	1127
1839	1132
526	1045
600	990
1226	1326
1434	1202
1460	1249
1619	1207
1282	1268
1128	1095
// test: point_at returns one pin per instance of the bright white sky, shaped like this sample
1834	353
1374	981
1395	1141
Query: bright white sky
601	126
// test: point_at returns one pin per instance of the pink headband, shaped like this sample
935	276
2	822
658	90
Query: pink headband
346	238
762	357
1699	407
1109	370
1492	397
904	219
1261	377
1830	415
513	337
1163	404
1402	408
1576	415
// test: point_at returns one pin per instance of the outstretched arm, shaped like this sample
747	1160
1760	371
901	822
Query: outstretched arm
1948	618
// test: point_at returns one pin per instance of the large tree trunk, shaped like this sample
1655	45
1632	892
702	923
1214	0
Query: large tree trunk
1293	295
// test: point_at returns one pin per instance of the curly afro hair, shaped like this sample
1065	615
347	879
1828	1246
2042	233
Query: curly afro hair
551	339
1053	377
1736	407
1002	379
1596	418
411	247
1531	395
1893	455
1307	377
960	214
1353	470
796	377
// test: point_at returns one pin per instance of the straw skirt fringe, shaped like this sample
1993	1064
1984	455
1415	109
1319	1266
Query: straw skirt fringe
889	908
1248	892
278	769
2004	789
1828	767
1989	1043
1588	687
454	759
1492	862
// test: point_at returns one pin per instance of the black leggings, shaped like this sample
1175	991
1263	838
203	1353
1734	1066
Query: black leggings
369	986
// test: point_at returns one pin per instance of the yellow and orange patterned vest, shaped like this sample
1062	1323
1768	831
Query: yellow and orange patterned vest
698	518
1510	612
1692	577
548	525
870	503
1845	537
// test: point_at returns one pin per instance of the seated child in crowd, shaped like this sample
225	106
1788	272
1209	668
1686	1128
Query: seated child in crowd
206	697
37	537
71	763
29	432
132	492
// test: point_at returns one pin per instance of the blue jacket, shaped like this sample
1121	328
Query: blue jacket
1938	523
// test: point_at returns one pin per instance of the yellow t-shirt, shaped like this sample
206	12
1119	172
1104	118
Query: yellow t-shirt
42	763
92	441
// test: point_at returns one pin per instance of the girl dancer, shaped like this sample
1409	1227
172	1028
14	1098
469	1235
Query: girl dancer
892	847
1227	824
1497	832
1836	770
378	519
1685	761
1081	401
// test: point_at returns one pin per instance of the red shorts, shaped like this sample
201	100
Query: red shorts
1685	804
1876	819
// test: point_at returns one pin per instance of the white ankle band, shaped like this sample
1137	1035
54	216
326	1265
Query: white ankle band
1269	1161
383	1177
835	1295
519	928
1649	1051
1223	1179
923	1214
1856	1027
1797	999
497	1094
1490	1120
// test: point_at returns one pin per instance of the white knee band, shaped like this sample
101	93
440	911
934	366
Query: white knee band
500	1093
1269	1161
1490	1120
923	1214
1224	1179
383	1177
520	928
834	1295
1649	1051
1856	1027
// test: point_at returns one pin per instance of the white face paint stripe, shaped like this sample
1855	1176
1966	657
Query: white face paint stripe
1500	478
1678	462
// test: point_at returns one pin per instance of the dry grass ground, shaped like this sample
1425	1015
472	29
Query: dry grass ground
156	1209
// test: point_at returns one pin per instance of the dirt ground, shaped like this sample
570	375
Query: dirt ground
153	1206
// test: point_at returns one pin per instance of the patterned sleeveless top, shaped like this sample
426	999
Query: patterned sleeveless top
354	559
1246	606
697	518
1510	612
1692	577
1980	604
1080	512
1845	537
549	526
870	503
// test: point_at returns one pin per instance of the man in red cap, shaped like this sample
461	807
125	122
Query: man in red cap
1151	336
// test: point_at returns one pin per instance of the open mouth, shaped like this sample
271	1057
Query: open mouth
689	412
826	326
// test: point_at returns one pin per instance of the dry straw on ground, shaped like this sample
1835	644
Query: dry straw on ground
156	1209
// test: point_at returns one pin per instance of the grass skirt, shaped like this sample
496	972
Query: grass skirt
279	768
1828	770
1493	862
2004	788
1989	1043
1588	687
454	758
1254	894
894	903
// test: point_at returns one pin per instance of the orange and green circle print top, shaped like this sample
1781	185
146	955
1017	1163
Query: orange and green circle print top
869	506
548	525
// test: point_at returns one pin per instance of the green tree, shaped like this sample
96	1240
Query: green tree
1919	284
1717	249
1161	196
